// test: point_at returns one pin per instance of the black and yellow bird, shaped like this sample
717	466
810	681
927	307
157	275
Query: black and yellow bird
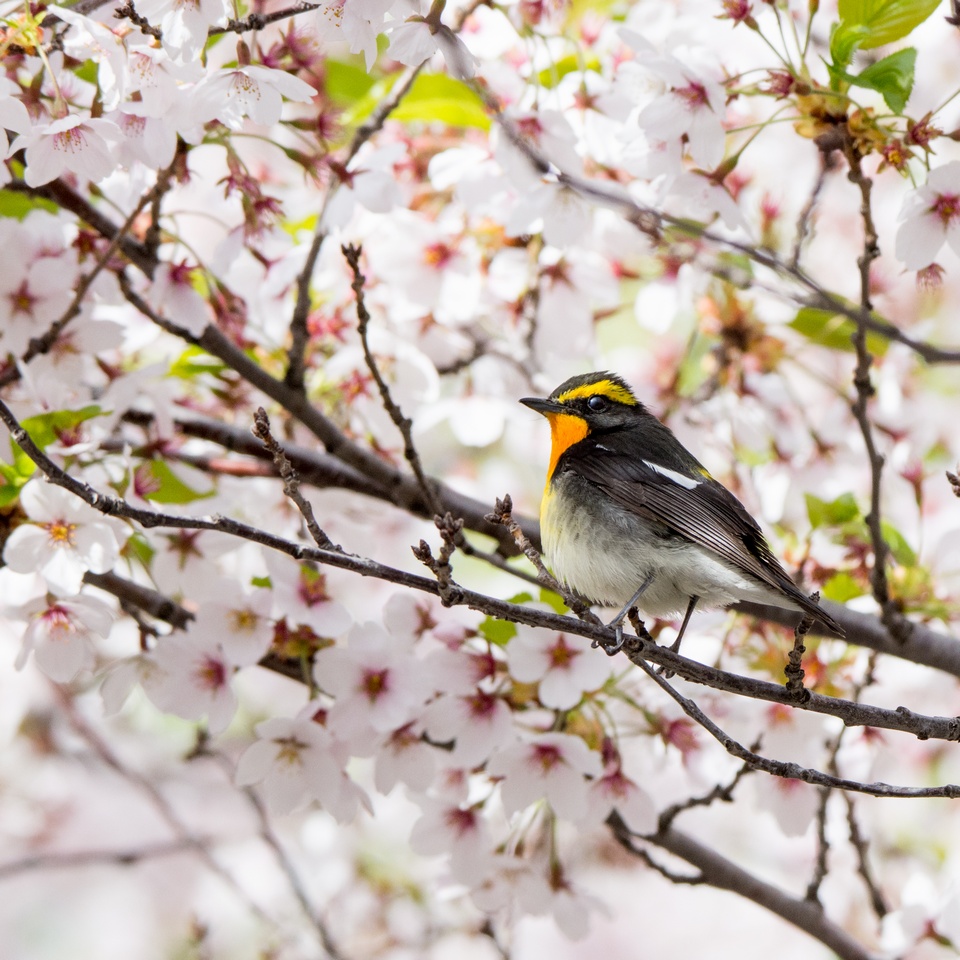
631	518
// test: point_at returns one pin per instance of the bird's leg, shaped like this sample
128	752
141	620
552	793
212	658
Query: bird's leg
617	621
675	646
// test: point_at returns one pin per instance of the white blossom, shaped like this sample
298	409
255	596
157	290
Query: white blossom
63	539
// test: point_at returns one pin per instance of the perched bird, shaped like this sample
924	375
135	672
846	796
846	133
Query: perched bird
631	518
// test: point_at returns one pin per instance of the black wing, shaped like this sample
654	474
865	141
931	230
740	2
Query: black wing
688	503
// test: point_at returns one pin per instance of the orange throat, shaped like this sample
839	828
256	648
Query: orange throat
565	430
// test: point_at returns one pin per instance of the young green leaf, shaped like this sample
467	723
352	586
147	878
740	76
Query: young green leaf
892	77
831	513
885	21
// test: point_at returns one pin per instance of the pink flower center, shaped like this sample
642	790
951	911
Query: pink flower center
70	141
562	656
375	683
313	587
290	751
547	757
481	704
58	622
946	207
211	673
461	822
21	299
694	95
243	621
60	532
438	255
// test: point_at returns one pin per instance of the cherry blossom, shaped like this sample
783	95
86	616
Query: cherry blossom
477	724
375	680
404	757
190	676
13	116
63	539
417	40
548	766
367	180
296	760
251	91
458	831
564	667
241	625
930	217
183	23
171	238
82	146
301	594
173	296
563	214
690	107
60	634
357	22
34	287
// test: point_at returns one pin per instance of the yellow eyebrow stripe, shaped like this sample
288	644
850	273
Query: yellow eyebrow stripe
602	388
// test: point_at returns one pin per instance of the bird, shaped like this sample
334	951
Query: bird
630	518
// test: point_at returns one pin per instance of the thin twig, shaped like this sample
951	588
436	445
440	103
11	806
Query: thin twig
291	482
889	612
157	800
794	668
502	514
70	860
803	221
861	846
404	424
257	21
450	529
269	837
777	768
722	792
852	714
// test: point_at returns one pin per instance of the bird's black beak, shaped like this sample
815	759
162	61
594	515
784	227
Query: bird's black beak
542	406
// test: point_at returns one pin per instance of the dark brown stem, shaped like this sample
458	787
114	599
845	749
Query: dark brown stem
402	423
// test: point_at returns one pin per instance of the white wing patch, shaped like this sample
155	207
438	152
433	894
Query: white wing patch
688	483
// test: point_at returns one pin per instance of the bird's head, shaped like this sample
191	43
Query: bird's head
591	403
599	401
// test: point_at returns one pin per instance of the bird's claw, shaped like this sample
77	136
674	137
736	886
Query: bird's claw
611	649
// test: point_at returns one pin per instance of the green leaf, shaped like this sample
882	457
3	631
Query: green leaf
138	547
841	587
498	632
831	513
193	362
345	83
553	600
834	330
17	205
550	76
892	77
87	71
885	20
902	552
845	40
171	488
437	98
9	493
15	476
45	428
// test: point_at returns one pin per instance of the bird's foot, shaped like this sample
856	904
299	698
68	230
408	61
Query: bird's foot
614	647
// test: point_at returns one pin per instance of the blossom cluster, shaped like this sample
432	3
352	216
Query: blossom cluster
706	196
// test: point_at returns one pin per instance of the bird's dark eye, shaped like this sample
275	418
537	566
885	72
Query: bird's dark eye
597	404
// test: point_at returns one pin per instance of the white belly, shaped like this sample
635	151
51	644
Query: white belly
606	561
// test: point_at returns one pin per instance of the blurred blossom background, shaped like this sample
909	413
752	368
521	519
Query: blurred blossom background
214	748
